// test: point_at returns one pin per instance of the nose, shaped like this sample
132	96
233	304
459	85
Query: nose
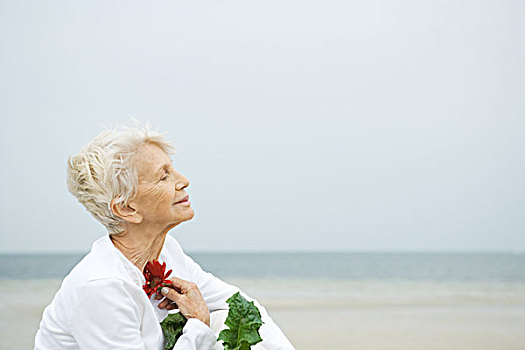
182	182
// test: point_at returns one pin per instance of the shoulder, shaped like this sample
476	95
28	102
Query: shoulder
96	266
101	270
100	284
104	261
86	287
108	291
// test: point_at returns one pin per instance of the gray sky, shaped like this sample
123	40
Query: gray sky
302	125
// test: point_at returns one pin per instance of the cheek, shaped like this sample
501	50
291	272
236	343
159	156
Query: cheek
158	196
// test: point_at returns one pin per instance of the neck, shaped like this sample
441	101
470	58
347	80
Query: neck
139	246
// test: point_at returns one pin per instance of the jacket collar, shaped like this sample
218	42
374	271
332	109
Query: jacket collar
105	246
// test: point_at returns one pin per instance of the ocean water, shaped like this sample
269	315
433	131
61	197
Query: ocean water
370	300
475	267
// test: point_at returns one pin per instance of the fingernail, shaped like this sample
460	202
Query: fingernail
164	290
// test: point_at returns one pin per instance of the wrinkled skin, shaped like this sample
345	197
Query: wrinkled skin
150	215
187	298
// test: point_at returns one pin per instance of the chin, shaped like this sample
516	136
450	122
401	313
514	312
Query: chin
187	217
180	221
191	215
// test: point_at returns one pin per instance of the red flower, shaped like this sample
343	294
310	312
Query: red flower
155	277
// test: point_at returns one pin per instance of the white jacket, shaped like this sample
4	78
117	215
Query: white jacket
101	305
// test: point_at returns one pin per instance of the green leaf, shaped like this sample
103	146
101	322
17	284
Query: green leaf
172	328
244	320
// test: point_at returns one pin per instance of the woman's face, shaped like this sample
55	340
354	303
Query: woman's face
160	187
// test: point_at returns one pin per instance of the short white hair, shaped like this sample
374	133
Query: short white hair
103	170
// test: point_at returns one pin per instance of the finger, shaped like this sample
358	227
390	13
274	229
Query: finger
170	294
172	306
158	296
164	303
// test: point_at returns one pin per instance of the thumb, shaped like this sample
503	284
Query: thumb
170	293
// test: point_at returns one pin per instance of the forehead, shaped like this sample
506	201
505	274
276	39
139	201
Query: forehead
149	159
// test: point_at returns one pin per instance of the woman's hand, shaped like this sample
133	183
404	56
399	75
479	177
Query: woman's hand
187	298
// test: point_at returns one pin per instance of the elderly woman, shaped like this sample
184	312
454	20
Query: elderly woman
126	180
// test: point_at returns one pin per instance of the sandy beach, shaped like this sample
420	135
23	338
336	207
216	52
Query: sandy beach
331	314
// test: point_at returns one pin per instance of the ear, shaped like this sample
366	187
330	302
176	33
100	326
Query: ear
125	212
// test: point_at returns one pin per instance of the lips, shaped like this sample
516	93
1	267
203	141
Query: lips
183	199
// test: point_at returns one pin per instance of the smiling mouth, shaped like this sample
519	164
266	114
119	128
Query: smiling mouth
185	199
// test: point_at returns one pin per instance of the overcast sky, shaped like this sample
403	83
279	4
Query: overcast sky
302	125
